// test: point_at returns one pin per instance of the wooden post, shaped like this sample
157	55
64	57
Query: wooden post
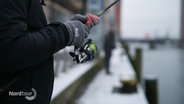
138	63
151	90
126	48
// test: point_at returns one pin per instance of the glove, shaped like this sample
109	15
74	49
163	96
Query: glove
90	20
78	32
78	27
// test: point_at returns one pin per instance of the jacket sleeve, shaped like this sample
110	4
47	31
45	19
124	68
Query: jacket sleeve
20	48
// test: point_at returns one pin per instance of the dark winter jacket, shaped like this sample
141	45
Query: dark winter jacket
27	45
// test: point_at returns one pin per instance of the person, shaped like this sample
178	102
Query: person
27	45
108	47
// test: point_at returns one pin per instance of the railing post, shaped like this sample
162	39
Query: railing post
151	90
138	63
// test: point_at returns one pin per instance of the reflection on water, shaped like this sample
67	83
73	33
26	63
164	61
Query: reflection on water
168	65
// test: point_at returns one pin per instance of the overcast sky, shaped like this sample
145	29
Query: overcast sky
159	18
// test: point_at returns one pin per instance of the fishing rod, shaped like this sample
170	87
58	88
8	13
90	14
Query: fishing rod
88	51
107	8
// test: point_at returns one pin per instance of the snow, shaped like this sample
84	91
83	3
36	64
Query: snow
151	77
64	80
100	91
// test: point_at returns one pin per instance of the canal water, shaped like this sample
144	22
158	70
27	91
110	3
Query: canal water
167	64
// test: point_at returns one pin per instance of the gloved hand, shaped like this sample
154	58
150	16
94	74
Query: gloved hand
90	20
79	26
78	32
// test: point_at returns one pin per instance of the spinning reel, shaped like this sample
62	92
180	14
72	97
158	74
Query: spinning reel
85	53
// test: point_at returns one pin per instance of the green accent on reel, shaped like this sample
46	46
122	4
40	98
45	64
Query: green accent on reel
93	46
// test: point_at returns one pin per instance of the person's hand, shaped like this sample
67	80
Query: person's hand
78	32
79	27
89	20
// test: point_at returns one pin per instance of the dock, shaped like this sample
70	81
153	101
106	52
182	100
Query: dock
100	89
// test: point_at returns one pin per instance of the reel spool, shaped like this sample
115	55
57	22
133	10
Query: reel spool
85	53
